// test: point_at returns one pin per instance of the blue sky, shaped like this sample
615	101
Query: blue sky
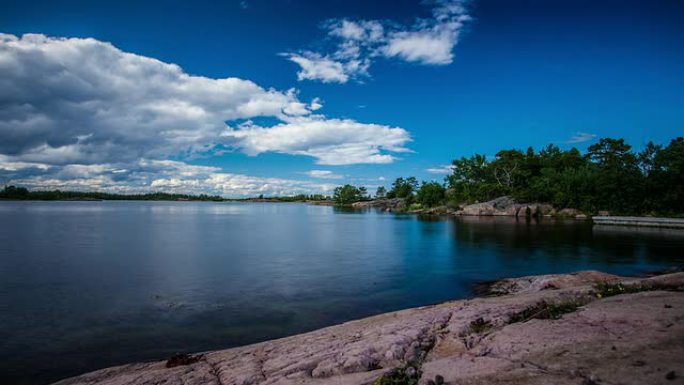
328	92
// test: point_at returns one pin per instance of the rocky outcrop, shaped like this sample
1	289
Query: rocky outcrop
553	329
506	206
394	204
437	210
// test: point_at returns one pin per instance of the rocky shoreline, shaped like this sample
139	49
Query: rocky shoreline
502	206
581	328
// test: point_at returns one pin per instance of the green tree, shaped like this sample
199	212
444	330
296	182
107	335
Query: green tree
618	182
363	192
647	157
347	194
472	180
381	192
13	192
666	179
403	188
430	194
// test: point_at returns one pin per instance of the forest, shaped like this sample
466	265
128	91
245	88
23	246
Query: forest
610	176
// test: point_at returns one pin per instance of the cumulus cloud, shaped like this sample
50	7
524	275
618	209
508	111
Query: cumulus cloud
72	101
359	42
444	169
581	137
323	174
68	100
330	141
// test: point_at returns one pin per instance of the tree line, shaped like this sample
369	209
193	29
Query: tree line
292	198
22	193
427	194
609	176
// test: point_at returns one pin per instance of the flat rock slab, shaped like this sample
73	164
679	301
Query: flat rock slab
635	338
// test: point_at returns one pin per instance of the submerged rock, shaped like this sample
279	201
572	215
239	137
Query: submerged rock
493	340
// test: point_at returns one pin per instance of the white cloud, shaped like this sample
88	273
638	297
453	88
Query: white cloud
426	47
428	41
11	166
316	67
363	30
323	174
67	104
330	141
580	137
316	104
444	169
67	100
326	69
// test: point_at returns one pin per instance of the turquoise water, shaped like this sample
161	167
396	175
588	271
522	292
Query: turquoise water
84	285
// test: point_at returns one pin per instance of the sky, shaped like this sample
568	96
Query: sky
241	98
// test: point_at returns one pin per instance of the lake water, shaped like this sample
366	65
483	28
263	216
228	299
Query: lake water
84	285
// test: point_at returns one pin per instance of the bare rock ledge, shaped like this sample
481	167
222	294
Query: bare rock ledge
551	329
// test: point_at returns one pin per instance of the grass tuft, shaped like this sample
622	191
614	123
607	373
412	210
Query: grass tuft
546	310
478	326
608	289
399	376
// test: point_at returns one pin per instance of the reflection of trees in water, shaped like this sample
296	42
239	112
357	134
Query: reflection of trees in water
520	233
651	244
349	210
431	218
520	237
647	232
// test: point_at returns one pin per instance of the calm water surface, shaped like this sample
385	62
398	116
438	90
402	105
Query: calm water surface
84	285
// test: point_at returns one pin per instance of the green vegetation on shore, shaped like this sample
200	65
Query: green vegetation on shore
609	176
22	193
287	198
348	194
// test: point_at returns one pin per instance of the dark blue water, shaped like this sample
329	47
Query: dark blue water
84	285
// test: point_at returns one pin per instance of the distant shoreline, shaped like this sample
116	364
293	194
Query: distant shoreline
14	193
492	208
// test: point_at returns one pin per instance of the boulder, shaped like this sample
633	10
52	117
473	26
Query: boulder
568	212
394	204
506	206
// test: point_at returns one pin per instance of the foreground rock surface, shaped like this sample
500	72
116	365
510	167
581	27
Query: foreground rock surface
635	338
